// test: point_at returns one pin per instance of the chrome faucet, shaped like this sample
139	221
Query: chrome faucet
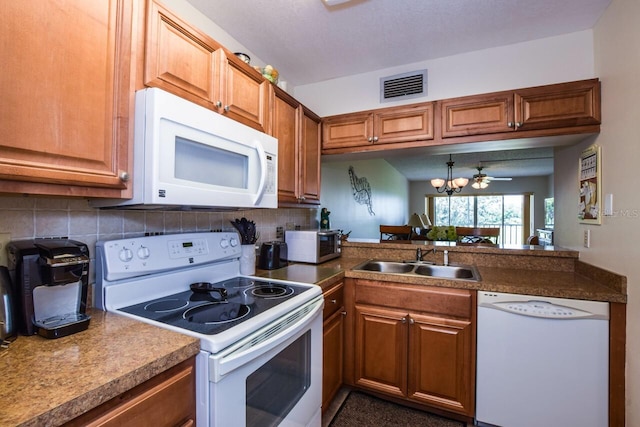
445	262
420	254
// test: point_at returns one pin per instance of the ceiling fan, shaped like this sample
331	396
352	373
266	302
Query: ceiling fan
481	180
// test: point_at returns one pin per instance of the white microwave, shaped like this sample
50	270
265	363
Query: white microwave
187	156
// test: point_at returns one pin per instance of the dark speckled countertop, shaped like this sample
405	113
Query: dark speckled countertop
48	382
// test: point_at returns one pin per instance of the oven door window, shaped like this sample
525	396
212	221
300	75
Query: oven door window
275	388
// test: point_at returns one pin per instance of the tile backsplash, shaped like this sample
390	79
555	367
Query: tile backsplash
31	217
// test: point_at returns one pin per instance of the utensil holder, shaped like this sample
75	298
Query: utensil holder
248	260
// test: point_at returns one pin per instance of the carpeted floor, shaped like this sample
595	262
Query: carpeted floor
362	410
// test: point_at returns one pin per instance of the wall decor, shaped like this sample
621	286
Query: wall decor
590	186
361	190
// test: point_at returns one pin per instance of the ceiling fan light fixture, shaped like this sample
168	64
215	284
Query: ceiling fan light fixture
479	185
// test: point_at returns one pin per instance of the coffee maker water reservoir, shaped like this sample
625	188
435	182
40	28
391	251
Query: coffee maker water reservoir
51	277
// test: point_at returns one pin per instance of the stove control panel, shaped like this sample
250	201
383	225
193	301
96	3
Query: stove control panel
138	256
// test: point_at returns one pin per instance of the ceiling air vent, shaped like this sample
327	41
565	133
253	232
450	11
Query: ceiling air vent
403	86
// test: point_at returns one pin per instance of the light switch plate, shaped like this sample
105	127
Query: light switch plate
5	238
587	238
608	204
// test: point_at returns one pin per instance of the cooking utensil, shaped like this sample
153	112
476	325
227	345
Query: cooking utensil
247	230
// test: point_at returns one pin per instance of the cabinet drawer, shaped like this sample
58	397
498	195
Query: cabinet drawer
167	399
333	300
447	302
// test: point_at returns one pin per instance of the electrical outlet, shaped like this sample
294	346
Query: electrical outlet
5	238
587	238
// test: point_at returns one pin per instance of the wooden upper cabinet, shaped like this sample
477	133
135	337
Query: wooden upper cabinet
298	132
566	105
556	106
479	114
369	130
67	97
187	62
347	130
403	124
244	93
180	59
310	127
285	128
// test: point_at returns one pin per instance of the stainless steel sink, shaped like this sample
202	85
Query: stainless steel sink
454	272
447	272
387	267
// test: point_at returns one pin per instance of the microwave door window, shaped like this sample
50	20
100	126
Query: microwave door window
210	165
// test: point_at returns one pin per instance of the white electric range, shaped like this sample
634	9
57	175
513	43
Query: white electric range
260	362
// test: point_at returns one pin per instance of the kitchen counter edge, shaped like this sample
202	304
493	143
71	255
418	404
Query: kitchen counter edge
50	382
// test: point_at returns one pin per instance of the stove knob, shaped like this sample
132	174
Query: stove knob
143	252
126	255
224	243
234	242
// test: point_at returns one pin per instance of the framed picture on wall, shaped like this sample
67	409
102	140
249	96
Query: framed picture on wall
590	186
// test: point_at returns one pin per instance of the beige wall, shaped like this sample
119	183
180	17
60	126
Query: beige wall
614	244
31	217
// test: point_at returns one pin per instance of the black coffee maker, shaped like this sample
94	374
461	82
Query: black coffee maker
52	281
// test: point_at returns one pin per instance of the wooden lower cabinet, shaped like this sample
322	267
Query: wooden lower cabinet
169	399
418	345
333	343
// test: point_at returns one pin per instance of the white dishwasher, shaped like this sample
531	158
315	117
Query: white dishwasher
541	361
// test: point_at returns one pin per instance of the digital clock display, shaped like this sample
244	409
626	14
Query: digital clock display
187	244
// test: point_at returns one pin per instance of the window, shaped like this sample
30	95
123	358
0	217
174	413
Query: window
507	212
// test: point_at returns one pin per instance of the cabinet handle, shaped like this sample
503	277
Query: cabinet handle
333	301
344	313
518	124
370	139
411	321
375	139
219	104
226	108
301	199
510	124
124	176
404	320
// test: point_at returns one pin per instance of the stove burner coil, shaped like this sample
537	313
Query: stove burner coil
272	291
215	313
166	305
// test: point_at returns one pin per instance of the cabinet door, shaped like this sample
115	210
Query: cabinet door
403	124
347	130
285	129
66	97
381	349
479	114
332	362
555	106
244	93
441	363
179	58
309	178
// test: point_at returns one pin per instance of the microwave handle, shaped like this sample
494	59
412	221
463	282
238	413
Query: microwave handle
263	172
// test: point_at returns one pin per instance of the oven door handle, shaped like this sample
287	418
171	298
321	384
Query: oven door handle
265	340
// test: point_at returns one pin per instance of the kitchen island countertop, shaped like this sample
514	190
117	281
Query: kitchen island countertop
49	382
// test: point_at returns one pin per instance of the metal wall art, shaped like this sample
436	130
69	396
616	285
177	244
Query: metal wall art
361	190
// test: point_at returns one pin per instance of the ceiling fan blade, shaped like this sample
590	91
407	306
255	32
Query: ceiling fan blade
491	178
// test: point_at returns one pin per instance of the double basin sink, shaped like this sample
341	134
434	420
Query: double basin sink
421	268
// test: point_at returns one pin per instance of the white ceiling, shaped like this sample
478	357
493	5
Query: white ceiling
309	42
